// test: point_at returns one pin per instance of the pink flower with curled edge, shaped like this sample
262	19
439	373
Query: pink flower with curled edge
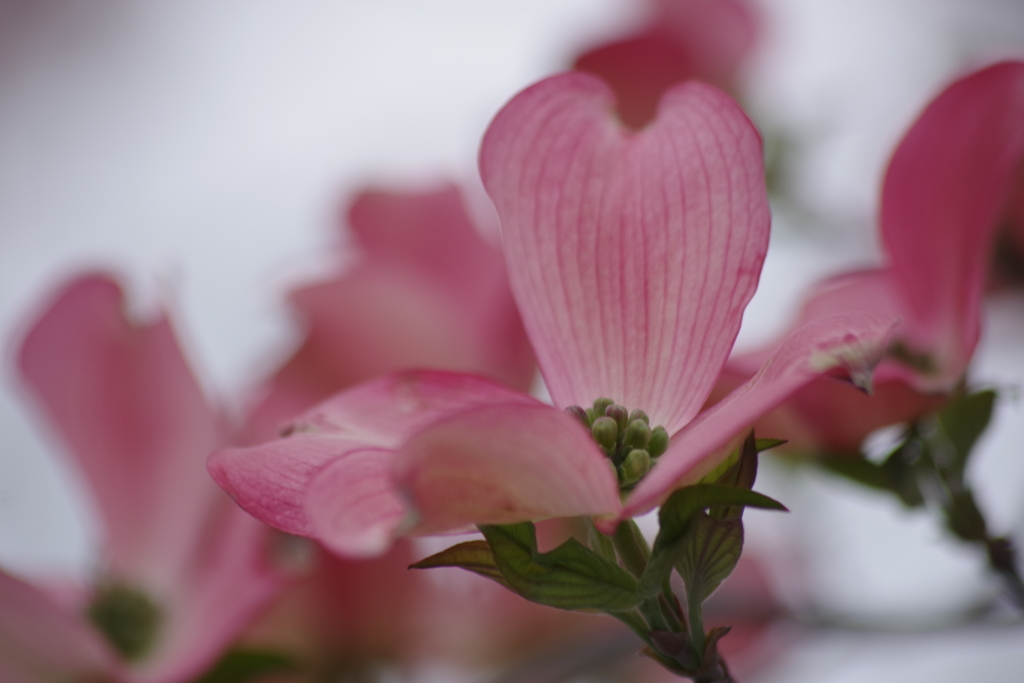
952	182
428	291
631	256
682	40
182	570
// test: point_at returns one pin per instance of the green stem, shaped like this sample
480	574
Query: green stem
1002	558
651	609
632	547
675	623
673	602
696	618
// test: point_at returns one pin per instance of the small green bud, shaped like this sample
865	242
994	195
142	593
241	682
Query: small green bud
579	414
600	405
590	415
659	442
605	432
638	434
639	415
635	466
619	414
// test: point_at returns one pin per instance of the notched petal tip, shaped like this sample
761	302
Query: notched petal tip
855	355
678	212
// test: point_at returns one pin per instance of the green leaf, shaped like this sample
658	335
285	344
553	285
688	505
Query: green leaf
569	577
964	420
243	665
474	556
901	467
712	549
896	474
964	518
726	472
743	471
858	469
600	543
677	512
768	444
675	517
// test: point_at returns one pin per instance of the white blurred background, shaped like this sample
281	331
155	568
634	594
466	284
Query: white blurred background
200	149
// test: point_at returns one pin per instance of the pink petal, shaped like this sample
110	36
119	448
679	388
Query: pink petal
229	582
835	417
40	641
866	291
691	39
632	255
721	33
358	610
501	464
830	416
852	342
639	69
352	505
123	399
1016	227
429	291
432	235
270	481
428	232
375	320
945	190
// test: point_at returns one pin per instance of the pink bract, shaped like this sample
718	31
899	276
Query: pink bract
125	404
682	40
951	182
946	190
632	256
427	290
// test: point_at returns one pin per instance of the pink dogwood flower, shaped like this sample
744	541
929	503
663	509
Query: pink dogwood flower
185	565
631	256
682	40
953	181
427	291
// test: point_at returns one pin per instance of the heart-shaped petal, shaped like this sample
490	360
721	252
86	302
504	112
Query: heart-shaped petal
631	255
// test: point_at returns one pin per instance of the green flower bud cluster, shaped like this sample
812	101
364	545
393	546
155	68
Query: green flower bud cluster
626	438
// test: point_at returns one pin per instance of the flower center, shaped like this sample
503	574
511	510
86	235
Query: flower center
128	618
625	437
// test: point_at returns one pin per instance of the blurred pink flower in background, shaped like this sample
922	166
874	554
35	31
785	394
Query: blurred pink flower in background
347	617
182	570
44	640
952	183
682	40
427	290
632	257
